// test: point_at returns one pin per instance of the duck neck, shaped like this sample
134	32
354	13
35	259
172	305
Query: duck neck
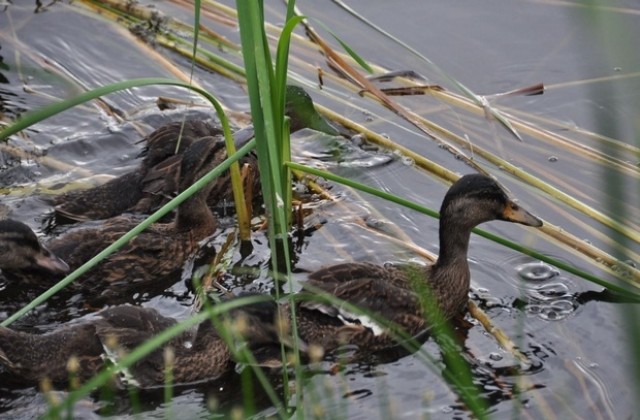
454	242
450	273
194	215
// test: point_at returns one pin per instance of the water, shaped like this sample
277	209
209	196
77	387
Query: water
574	336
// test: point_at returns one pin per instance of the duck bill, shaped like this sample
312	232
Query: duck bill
514	213
51	263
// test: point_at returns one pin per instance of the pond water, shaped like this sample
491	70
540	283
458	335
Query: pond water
579	343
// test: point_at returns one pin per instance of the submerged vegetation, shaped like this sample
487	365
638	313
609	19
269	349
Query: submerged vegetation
471	127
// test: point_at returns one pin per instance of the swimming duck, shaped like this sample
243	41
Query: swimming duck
141	192
391	291
30	358
21	253
157	253
126	193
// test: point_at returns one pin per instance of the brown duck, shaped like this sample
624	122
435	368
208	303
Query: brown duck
153	183
140	191
156	254
390	291
31	358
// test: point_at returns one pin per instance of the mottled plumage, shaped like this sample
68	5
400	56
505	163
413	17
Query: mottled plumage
22	254
116	331
150	260
391	291
156	254
151	185
155	182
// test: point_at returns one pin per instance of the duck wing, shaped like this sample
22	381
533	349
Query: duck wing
123	328
153	257
160	185
381	290
107	200
32	357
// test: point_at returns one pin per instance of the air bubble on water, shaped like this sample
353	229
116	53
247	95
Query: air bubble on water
407	161
536	271
496	357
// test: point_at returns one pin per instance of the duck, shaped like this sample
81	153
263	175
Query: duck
154	257
126	193
22	253
139	191
401	293
81	349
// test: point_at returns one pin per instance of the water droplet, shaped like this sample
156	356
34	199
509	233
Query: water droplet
557	310
536	271
550	291
496	357
407	161
552	158
533	309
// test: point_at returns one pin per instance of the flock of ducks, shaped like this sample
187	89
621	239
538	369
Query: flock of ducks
393	293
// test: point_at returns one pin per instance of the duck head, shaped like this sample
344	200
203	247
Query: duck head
476	198
21	251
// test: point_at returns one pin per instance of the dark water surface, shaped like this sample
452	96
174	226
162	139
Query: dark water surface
577	340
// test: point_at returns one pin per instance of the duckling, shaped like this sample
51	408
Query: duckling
22	253
31	358
157	253
122	194
392	291
140	192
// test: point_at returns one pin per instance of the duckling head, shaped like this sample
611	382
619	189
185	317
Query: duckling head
477	198
21	251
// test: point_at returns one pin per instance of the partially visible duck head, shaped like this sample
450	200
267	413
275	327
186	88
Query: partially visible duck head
21	251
